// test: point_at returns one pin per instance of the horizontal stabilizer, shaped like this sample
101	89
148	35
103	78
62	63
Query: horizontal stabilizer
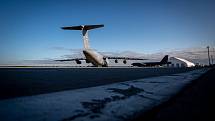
83	27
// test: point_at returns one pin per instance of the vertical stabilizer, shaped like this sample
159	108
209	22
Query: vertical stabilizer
85	39
164	60
84	29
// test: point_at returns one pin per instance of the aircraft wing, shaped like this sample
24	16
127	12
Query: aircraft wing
77	60
73	59
126	58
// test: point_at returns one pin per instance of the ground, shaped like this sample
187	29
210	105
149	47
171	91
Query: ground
116	102
194	102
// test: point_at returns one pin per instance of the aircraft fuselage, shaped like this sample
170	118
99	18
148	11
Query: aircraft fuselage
95	58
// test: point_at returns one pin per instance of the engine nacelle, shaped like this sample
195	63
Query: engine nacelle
106	62
78	61
124	61
116	61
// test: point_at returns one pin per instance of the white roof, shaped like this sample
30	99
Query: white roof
189	64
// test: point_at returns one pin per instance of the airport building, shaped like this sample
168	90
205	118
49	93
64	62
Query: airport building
180	62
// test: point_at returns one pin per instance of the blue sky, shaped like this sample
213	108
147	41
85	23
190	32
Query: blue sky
31	29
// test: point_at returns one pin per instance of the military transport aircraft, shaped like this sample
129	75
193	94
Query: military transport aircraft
151	64
91	56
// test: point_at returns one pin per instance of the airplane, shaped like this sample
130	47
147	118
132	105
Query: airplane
91	56
151	64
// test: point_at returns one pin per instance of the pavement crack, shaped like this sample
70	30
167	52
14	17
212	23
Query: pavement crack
127	92
95	106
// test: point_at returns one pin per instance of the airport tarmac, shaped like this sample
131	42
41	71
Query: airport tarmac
195	102
22	81
120	101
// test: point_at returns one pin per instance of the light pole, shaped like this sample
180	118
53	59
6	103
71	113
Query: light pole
209	62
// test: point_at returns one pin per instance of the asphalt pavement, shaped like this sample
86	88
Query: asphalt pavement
16	82
194	103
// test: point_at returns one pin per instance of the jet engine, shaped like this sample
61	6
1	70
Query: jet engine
78	61
106	62
124	61
116	61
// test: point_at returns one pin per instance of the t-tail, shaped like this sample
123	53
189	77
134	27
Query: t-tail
84	29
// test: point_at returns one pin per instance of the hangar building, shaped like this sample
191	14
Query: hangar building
180	62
